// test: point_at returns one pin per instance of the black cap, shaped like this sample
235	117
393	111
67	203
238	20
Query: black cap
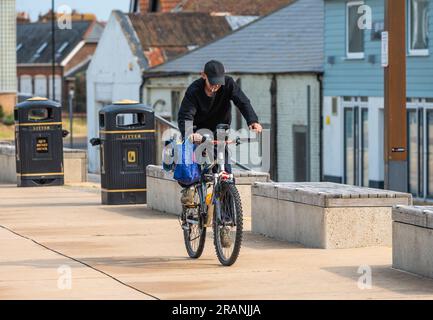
215	72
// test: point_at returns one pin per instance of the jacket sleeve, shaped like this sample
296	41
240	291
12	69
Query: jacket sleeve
187	111
243	103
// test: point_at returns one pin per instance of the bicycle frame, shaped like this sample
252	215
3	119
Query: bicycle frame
217	178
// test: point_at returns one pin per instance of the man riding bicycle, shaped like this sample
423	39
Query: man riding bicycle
207	104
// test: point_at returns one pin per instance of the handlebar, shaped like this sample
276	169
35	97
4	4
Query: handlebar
237	141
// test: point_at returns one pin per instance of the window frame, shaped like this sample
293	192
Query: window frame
414	52
353	55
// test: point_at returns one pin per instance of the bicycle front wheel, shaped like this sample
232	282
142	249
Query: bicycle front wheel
228	227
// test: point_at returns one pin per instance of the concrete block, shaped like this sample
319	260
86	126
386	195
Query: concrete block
358	227
411	215
164	195
265	189
412	249
263	215
74	162
8	172
325	215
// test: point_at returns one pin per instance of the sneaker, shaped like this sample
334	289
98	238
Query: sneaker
187	198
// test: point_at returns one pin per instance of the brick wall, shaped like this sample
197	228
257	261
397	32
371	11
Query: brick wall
33	72
165	5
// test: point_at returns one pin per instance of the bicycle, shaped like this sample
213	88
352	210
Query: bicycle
226	219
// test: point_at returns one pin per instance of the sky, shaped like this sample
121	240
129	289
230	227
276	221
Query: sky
101	8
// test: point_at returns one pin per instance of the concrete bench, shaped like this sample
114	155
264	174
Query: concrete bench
163	192
325	215
75	164
412	236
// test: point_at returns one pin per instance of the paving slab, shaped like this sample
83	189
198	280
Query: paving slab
113	251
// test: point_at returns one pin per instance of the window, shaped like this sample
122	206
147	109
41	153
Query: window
57	87
350	145
418	27
39	51
429	146
26	86
334	106
154	6
40	86
19	46
61	49
354	35
364	147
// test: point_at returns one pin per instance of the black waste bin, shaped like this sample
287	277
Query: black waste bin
38	143
127	146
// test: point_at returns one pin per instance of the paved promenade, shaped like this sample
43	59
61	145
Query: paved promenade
61	243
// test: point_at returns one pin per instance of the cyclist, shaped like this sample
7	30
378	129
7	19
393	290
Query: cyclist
207	103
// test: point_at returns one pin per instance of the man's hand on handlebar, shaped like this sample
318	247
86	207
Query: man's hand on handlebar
257	127
196	138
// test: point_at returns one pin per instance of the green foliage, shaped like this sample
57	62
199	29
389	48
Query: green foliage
2	113
9	120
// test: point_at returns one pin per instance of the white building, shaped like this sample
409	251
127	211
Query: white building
8	59
278	62
131	43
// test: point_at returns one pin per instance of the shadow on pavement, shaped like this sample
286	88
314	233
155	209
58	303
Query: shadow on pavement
258	241
124	264
385	277
51	205
138	211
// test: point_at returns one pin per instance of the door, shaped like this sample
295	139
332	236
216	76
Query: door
356	146
300	153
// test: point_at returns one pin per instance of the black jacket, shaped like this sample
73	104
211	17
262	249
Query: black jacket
207	112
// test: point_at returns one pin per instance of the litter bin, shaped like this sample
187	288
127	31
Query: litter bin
127	146
38	143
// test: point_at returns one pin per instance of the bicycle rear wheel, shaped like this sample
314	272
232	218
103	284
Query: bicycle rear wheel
194	232
228	230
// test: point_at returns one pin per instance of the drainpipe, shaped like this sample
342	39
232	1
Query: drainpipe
320	80
274	129
143	82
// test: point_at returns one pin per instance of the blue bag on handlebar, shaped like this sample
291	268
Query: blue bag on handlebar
187	171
